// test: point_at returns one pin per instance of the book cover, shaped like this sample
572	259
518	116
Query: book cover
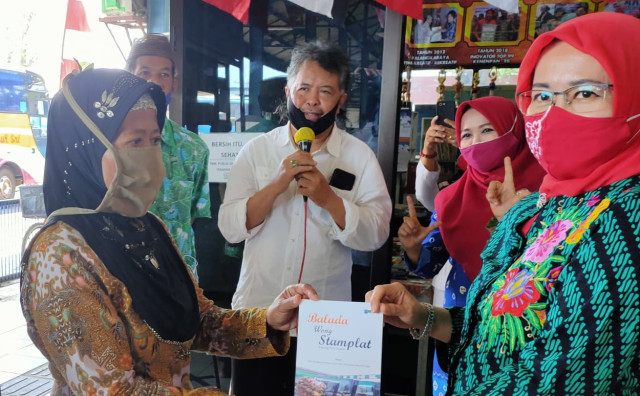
339	349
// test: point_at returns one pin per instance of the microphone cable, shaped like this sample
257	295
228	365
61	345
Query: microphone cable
304	245
304	138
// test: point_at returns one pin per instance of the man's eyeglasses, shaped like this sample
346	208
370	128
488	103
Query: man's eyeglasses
583	98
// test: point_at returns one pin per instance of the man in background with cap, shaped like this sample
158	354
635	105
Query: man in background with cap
184	195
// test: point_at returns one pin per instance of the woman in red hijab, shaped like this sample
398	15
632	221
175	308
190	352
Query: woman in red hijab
557	311
487	130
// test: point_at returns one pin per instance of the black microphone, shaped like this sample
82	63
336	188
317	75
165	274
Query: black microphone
303	138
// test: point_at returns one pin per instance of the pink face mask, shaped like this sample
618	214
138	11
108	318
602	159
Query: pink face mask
569	145
488	156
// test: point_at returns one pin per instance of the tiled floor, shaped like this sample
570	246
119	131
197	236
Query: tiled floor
24	371
36	382
17	353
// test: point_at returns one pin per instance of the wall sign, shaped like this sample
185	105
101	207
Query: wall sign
477	35
223	150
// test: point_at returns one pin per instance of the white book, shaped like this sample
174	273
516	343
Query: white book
339	349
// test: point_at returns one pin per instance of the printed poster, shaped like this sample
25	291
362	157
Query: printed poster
223	149
477	34
339	349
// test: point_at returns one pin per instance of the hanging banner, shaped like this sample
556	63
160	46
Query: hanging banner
476	34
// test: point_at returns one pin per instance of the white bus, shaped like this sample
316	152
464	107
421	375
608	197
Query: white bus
24	104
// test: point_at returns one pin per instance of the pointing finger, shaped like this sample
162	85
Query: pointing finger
412	208
508	173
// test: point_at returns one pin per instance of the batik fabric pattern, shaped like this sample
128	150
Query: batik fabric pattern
184	195
558	312
82	319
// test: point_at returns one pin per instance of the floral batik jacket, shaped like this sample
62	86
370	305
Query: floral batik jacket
556	312
81	318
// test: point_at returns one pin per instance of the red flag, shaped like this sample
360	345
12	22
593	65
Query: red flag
238	8
76	17
68	66
76	22
412	8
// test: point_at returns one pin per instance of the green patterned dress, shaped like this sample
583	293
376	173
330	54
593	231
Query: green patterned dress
557	313
184	195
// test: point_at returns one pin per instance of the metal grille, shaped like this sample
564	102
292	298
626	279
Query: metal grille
12	230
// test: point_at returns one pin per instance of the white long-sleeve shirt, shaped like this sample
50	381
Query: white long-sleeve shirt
427	186
273	250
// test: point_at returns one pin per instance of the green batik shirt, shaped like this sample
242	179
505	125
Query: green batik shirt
184	194
558	311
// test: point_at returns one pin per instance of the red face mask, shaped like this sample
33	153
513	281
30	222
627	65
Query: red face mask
488	156
569	145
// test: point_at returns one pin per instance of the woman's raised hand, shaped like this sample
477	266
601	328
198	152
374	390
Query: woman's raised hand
438	134
502	196
411	233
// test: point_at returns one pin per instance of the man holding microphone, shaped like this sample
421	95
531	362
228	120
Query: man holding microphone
300	213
